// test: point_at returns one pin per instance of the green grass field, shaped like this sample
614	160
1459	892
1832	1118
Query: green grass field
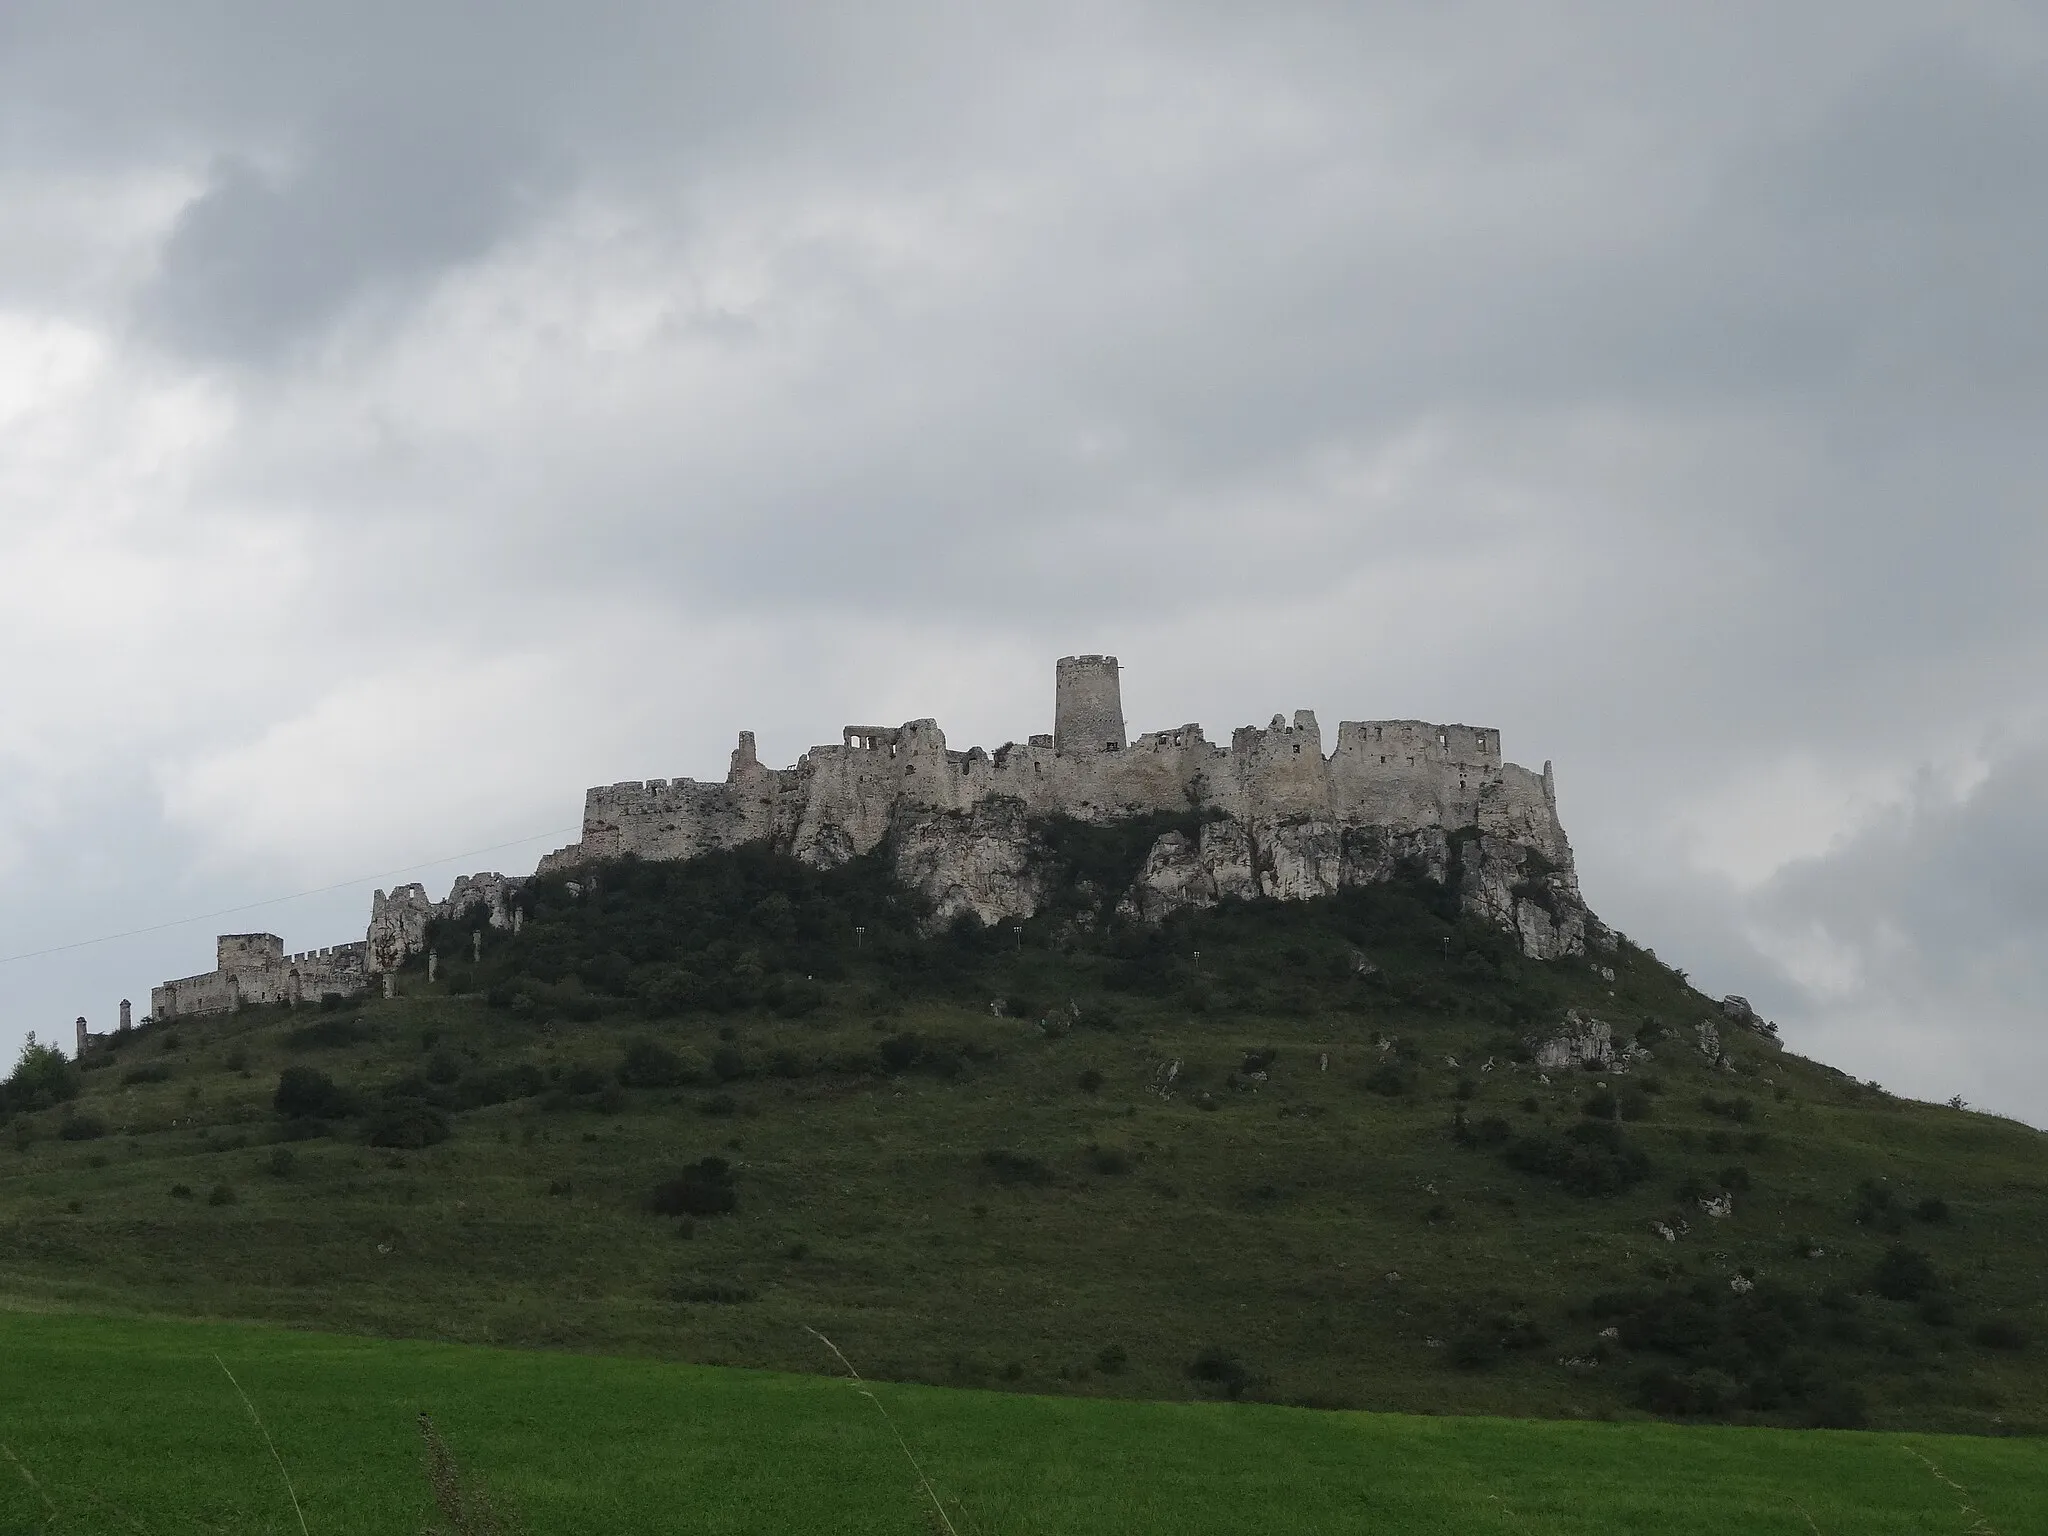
132	1425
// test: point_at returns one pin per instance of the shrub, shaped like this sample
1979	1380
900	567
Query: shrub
1218	1368
1008	1167
1933	1210
328	1034
648	1065
41	1077
1877	1206
718	1105
727	1064
1693	1394
1090	1081
1109	1161
1937	1311
1475	1350
236	1060
307	1093
2000	1333
181	1191
282	1160
410	1123
82	1128
1837	1405
1111	1359
1390	1079
1740	1110
705	1188
1592	1158
1735	1177
221	1194
152	1072
1904	1274
898	1053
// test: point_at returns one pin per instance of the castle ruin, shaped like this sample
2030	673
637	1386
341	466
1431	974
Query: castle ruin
1279	819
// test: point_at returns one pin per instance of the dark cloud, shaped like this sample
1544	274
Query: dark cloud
380	197
1662	387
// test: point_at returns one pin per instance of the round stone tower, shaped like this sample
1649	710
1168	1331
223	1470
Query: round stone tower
1088	712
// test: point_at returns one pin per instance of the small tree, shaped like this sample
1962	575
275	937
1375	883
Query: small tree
307	1093
41	1077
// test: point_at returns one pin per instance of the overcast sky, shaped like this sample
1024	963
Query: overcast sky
412	413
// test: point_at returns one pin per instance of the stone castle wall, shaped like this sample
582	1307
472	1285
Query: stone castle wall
1282	819
253	968
1303	822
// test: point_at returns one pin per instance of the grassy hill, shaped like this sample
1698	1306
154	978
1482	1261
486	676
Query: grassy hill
594	1445
1296	1153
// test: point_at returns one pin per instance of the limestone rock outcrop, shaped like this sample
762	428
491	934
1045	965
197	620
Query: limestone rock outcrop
985	863
1582	1041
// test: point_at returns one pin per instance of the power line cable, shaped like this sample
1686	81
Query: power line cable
339	885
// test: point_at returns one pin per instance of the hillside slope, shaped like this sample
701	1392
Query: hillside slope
1304	1152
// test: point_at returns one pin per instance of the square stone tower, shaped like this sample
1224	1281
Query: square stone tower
1088	709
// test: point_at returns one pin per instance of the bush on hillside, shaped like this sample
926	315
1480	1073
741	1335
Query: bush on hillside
1592	1158
331	1033
307	1093
82	1127
407	1123
1221	1371
1391	1079
41	1077
648	1065
1904	1274
705	1188
2000	1333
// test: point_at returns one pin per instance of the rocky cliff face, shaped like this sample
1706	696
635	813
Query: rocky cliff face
993	862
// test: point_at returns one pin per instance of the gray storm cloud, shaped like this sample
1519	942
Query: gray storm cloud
408	415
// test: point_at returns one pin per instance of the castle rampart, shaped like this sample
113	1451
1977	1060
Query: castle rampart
1392	779
1283	819
252	968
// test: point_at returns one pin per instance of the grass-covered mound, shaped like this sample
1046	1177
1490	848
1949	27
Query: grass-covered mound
1292	1152
143	1426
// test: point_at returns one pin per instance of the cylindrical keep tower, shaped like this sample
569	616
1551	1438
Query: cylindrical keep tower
1088	709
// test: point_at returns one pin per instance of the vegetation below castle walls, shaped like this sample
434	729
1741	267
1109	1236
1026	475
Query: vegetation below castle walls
1293	1152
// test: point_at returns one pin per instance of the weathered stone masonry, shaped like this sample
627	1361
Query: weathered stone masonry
1281	820
1286	821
